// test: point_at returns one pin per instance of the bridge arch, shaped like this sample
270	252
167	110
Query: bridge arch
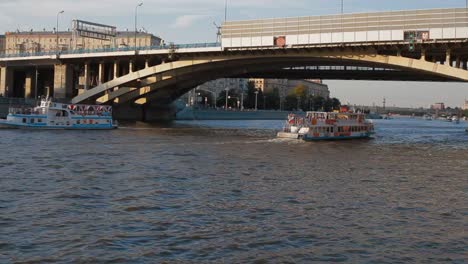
174	78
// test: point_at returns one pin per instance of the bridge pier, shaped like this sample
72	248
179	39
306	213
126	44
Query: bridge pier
145	112
131	64
128	112
448	58
63	81
29	84
116	69
86	76
3	84
6	81
152	113
423	55
101	73
458	62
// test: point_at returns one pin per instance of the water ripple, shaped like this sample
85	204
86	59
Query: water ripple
219	192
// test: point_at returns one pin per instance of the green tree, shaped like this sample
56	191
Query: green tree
318	103
205	95
273	99
465	113
290	102
249	101
336	104
232	100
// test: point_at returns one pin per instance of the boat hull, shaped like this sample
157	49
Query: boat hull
9	125
321	138
336	138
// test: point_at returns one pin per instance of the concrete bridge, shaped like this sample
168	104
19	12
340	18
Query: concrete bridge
421	45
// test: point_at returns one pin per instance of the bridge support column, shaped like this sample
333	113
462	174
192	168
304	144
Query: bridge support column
63	81
130	66
86	76
101	73
128	112
458	62
159	113
448	58
423	55
465	62
146	63
3	81
116	69
29	84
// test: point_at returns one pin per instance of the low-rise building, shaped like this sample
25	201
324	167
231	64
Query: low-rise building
2	44
46	41
285	86
438	106
215	88
465	105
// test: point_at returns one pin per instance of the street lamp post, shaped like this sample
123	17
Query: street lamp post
214	95
136	21
57	31
256	100
237	100
242	100
226	10
227	96
342	28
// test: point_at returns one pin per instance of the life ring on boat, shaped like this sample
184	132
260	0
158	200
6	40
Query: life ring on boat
85	122
90	121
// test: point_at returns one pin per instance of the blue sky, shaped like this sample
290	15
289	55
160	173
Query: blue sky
189	21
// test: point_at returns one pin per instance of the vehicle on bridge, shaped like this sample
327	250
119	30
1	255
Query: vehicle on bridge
52	115
327	126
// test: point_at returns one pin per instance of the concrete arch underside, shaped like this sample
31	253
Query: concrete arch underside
166	82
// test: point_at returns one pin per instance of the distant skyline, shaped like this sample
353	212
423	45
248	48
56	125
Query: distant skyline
191	21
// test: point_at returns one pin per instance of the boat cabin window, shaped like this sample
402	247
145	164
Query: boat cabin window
32	121
39	120
24	120
62	113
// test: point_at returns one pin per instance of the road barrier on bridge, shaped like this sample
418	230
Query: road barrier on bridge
86	51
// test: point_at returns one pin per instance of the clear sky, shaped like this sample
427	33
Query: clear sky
190	21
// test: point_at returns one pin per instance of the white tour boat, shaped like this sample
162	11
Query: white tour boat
51	115
327	126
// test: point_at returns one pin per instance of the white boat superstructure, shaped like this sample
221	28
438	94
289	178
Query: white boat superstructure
327	126
52	115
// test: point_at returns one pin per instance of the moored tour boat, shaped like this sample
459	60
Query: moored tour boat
327	126
51	115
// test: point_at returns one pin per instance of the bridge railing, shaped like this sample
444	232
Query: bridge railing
108	50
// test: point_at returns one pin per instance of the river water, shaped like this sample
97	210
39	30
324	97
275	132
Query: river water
229	192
